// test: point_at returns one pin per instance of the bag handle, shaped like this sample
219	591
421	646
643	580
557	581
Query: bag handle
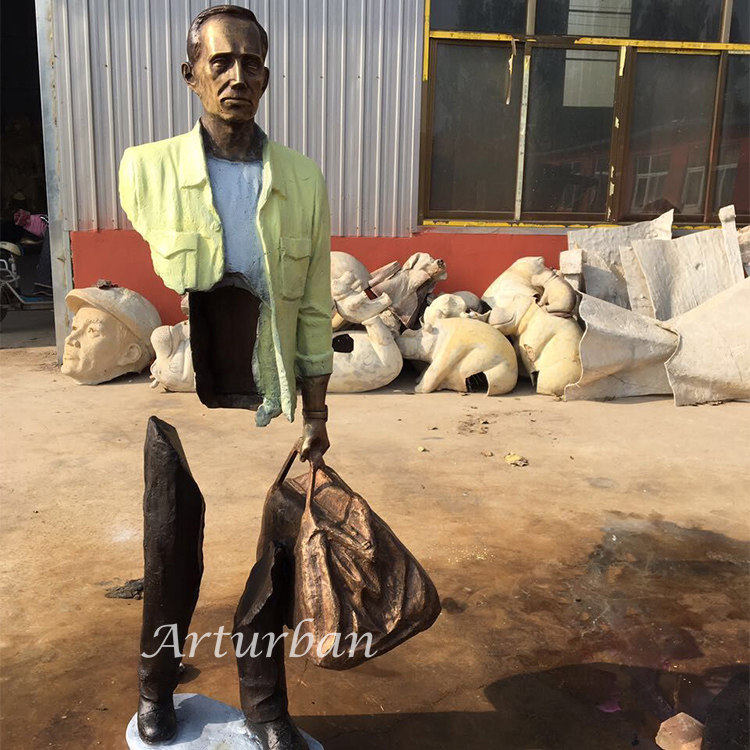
285	470
287	465
310	491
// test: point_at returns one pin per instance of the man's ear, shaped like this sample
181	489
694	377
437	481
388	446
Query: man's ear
131	355
188	75
266	78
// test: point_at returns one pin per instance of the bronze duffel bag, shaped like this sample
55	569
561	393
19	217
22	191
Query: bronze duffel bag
353	576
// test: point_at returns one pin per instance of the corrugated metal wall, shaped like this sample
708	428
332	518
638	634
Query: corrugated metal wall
345	90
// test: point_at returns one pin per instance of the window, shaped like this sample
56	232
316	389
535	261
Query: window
650	183
506	16
584	17
692	191
671	116
680	20
726	179
585	110
571	98
474	132
733	163
740	25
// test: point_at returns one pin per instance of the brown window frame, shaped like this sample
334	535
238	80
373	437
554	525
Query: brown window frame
617	201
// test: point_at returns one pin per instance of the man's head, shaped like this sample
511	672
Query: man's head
110	336
226	49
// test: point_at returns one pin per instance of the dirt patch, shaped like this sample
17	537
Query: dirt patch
542	569
475	424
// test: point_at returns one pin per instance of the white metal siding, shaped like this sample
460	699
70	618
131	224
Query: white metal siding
345	90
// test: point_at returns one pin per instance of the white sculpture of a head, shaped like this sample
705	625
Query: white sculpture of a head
352	302
110	336
431	267
444	306
173	366
345	265
528	268
473	302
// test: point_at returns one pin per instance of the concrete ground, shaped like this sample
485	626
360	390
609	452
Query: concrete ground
27	328
586	595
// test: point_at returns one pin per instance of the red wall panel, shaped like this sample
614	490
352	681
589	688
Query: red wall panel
473	260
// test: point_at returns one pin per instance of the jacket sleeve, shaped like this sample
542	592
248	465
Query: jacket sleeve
128	187
314	349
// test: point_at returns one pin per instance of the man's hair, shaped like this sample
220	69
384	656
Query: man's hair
194	34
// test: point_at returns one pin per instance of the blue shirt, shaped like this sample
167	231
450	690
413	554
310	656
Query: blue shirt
236	187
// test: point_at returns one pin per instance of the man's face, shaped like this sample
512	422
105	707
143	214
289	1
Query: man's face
229	75
95	347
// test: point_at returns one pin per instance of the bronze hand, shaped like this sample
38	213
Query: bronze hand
314	442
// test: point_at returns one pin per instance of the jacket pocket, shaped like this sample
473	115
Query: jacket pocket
295	258
175	258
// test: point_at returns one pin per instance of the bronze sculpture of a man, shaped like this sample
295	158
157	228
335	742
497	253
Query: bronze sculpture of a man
242	224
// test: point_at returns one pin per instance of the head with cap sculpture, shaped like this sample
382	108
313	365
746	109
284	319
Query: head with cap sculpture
110	336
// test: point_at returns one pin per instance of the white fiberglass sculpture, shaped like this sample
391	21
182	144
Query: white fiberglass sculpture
458	349
409	285
110	335
343	263
363	360
381	303
173	367
548	346
534	305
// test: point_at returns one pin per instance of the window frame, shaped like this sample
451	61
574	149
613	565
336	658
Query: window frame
617	206
428	113
622	210
571	217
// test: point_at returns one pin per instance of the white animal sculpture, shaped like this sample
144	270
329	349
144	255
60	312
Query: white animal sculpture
362	360
444	306
547	345
173	368
529	277
473	303
534	305
457	349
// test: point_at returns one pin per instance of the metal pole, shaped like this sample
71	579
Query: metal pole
726	21
522	132
62	268
531	17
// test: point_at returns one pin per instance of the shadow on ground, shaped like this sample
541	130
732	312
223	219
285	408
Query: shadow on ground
582	707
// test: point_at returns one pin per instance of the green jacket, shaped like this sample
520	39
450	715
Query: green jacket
166	194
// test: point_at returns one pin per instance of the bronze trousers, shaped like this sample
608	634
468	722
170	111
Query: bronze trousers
173	555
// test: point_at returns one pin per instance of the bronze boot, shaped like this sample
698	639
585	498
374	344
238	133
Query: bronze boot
260	614
173	511
279	734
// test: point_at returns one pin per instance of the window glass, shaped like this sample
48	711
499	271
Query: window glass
670	130
685	20
584	17
569	128
739	31
733	164
494	16
474	133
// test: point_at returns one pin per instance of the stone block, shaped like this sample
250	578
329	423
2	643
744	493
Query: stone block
681	732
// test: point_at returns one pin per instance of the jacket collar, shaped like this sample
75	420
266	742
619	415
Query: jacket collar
193	170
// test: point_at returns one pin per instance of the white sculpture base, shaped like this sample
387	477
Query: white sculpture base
205	724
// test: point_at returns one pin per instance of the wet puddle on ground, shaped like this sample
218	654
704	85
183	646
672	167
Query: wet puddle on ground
654	622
